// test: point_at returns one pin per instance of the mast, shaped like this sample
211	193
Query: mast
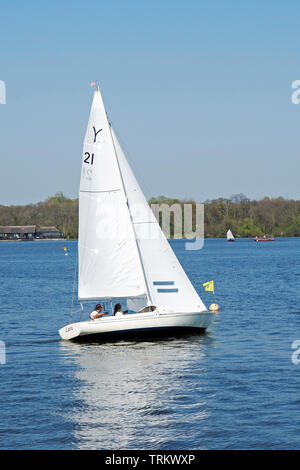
136	240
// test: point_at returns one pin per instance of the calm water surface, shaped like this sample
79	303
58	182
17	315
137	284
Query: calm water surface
234	387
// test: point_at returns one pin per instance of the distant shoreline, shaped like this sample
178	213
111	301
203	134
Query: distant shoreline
244	217
185	239
38	240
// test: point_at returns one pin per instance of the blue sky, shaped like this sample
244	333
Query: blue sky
198	91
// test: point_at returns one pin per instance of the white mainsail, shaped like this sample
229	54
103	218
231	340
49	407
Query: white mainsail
230	235
167	283
109	263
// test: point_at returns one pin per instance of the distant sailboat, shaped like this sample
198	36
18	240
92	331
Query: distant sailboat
123	253
230	237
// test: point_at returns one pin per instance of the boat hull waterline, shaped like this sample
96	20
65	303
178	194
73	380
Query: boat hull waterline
144	322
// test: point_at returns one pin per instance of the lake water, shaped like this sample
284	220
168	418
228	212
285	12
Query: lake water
234	387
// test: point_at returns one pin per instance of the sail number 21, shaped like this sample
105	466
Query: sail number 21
88	172
88	156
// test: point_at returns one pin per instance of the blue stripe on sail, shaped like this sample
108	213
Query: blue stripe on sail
166	290
163	283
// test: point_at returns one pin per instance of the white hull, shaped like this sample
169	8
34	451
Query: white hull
143	322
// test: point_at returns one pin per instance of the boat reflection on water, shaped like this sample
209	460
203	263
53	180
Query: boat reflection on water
137	395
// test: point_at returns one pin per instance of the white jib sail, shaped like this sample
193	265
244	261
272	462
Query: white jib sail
109	263
167	283
229	235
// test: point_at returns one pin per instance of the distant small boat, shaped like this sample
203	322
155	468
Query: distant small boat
263	239
230	237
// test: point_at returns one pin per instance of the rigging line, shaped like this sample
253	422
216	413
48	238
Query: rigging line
136	240
131	160
81	310
74	282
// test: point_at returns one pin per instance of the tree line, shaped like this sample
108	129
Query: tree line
278	217
58	211
244	217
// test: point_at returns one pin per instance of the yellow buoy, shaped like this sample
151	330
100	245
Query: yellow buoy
214	308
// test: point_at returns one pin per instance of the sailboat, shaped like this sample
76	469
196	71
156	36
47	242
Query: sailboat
122	251
230	237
